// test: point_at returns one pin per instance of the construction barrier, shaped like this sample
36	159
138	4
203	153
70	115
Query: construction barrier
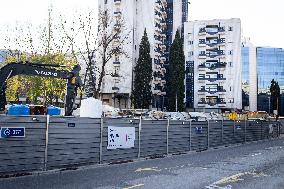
43	143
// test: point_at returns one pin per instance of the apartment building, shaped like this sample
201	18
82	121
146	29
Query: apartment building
161	22
213	64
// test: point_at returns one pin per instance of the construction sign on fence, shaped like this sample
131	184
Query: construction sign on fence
120	137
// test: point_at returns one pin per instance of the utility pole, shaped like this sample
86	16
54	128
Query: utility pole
277	105
176	103
269	104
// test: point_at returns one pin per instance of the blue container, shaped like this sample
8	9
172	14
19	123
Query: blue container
18	110
53	110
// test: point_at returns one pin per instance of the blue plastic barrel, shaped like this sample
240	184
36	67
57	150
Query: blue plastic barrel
18	110
53	110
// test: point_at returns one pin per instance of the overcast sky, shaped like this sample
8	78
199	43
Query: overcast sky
262	20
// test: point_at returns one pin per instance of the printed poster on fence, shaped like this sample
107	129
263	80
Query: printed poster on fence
120	137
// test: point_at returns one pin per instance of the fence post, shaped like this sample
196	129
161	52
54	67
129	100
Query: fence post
190	135
222	131
261	131
278	129
245	131
46	142
139	136
234	129
208	135
168	124
101	141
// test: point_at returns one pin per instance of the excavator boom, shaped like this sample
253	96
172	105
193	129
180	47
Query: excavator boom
42	70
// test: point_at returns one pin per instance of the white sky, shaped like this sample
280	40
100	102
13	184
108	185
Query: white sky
262	20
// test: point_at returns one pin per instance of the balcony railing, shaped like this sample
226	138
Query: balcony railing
213	65
211	31
116	62
218	101
213	54
212	79
203	90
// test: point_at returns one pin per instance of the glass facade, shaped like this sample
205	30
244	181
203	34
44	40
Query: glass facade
270	65
245	59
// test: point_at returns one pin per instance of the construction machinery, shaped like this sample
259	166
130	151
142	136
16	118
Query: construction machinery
43	70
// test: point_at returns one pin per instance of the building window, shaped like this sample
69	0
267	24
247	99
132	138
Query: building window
202	41
190	53
231	64
190	42
201	76
105	1
231	100
230	28
202	53
116	58
231	52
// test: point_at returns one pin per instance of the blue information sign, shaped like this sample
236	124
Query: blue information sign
198	130
12	132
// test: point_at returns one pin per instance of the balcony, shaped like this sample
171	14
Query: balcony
117	2
202	43
115	88
211	79
212	66
215	30
219	90
215	42
116	62
117	13
163	58
202	31
212	102
214	54
202	55
117	26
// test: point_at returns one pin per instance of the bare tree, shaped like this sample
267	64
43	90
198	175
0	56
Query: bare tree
112	37
81	35
96	46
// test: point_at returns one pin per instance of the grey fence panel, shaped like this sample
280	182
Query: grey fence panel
23	154
265	130
199	136
178	136
215	133
73	141
281	125
254	130
228	132
117	155
154	138
275	131
239	131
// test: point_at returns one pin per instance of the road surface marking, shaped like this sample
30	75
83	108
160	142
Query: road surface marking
233	179
135	186
148	169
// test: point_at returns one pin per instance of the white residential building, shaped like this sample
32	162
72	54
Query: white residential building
213	60
139	15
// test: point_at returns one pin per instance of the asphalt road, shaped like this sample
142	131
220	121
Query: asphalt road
251	166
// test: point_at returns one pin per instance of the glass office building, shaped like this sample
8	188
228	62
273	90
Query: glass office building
245	59
270	65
